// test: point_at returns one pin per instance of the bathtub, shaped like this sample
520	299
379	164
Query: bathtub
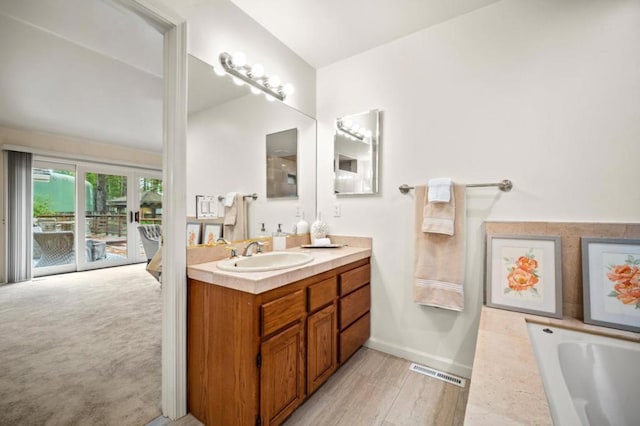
588	379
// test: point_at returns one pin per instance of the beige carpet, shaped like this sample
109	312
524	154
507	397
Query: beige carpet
81	349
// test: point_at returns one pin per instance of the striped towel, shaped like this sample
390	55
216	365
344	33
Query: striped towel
439	258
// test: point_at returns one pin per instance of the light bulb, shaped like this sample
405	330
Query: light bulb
288	89
239	59
257	71
219	71
237	81
356	128
270	98
255	90
274	81
346	124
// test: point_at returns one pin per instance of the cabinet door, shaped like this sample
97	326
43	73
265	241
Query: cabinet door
282	374
321	347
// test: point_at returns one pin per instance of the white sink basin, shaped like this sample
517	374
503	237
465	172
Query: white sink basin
266	262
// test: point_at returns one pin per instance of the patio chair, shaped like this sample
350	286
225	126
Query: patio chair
151	236
56	248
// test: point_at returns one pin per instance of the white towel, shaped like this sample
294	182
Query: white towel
229	199
438	218
439	190
322	242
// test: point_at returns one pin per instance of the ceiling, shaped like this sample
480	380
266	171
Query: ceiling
98	77
327	31
96	72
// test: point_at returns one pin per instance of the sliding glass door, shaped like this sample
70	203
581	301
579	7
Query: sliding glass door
54	218
87	216
104	228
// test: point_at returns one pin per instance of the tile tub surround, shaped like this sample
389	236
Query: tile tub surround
570	233
506	387
260	282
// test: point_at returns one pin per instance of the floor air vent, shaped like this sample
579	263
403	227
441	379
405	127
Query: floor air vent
445	377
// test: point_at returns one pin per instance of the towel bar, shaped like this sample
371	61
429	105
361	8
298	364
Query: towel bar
506	185
253	196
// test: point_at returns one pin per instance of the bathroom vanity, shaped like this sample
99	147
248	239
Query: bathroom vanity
260	343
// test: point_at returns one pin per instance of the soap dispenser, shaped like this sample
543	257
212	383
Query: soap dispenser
263	231
279	239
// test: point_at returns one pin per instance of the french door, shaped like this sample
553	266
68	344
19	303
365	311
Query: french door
120	201
95	224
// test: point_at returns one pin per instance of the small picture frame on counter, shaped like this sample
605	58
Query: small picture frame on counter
193	233
611	282
211	232
524	274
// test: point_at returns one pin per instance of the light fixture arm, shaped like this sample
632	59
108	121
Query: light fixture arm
261	83
349	131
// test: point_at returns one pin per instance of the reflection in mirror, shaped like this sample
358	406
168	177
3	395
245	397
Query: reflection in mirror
356	145
227	127
282	164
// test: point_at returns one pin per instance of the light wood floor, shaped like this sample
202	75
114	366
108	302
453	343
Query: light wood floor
374	388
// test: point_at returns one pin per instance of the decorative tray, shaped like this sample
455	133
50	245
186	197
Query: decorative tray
325	246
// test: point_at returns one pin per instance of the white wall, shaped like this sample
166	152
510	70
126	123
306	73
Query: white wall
217	26
65	147
227	151
545	93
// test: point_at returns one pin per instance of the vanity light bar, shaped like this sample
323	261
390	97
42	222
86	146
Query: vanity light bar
349	131
253	76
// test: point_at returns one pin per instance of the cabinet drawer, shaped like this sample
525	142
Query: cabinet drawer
322	294
354	337
354	279
354	305
283	311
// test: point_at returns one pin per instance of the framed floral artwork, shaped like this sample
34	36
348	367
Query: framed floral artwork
193	234
611	282
524	274
212	231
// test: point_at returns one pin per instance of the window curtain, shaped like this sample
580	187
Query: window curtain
19	200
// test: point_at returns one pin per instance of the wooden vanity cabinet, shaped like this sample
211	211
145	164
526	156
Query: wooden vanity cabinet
252	359
322	326
354	305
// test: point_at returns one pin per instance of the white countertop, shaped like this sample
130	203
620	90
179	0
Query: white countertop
324	259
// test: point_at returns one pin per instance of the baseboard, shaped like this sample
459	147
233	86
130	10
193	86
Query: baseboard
444	364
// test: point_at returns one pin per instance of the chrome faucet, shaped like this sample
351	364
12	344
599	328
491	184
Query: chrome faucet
222	240
247	249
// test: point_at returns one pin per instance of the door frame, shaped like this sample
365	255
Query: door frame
174	278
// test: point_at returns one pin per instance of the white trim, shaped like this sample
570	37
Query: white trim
174	282
69	156
440	363
174	278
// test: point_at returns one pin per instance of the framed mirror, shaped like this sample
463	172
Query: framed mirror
226	133
356	146
282	164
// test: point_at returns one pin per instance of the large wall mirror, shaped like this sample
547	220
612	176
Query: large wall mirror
356	147
227	147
